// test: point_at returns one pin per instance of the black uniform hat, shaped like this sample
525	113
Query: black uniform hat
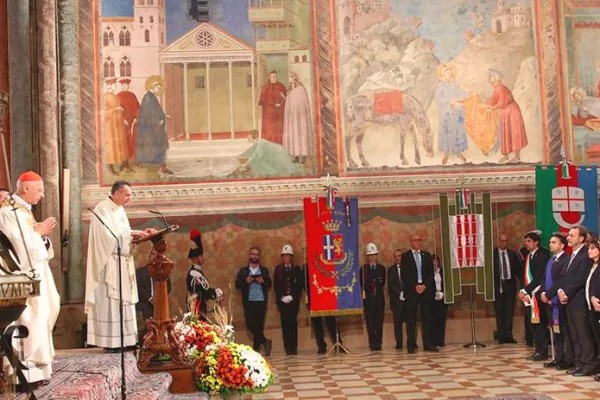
196	237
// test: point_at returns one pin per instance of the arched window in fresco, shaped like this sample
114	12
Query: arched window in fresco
105	39
108	38
151	19
147	35
124	37
125	67
304	58
150	2
109	68
347	24
296	59
142	2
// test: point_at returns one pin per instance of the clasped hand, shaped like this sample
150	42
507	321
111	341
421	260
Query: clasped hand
45	227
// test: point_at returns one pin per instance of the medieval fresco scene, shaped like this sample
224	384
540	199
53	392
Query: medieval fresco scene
438	83
184	100
582	78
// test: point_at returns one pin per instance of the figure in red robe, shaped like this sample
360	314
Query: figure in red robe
272	100
512	131
131	108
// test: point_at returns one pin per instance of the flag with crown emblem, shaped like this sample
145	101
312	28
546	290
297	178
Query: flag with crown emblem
332	256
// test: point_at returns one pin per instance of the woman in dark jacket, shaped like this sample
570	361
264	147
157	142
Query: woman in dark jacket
439	308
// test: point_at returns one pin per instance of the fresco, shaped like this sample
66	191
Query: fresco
438	83
189	101
581	34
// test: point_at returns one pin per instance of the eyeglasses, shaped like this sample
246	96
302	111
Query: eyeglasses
255	254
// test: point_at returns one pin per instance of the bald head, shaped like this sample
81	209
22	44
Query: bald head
502	241
415	242
30	191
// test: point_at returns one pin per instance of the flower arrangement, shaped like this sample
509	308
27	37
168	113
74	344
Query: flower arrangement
232	368
223	366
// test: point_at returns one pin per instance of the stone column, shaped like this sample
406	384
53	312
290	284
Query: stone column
20	90
230	65
185	102
208	100
253	94
71	145
4	100
47	121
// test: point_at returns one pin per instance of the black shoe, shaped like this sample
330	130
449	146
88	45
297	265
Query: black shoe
597	378
572	370
268	347
529	344
112	350
551	364
294	352
502	341
540	357
563	366
431	349
398	347
582	372
511	341
322	350
411	351
531	357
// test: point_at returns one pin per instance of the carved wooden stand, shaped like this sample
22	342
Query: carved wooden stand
161	337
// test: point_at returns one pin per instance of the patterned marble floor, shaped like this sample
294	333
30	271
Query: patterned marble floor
453	373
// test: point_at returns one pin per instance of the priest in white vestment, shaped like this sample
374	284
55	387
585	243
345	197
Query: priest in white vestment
102	278
34	251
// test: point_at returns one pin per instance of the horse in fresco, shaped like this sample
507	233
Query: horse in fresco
360	112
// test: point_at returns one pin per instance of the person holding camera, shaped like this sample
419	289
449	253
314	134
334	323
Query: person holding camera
254	282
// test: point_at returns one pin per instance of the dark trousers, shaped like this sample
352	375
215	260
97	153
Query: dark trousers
528	327
317	324
540	331
505	309
398	312
584	346
289	326
563	348
422	301
254	313
593	318
374	317
439	312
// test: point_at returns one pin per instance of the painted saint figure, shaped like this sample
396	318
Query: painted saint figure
583	108
272	100
298	138
512	131
131	109
265	158
152	141
452	133
117	151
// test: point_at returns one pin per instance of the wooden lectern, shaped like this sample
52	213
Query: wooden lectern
161	337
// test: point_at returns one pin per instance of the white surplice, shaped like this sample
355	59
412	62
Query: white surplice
102	279
41	311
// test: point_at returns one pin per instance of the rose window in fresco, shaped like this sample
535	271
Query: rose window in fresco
205	39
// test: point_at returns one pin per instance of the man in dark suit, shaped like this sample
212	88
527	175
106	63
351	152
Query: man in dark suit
288	282
397	299
507	268
535	265
526	321
593	292
572	293
419	289
254	282
555	269
145	305
372	281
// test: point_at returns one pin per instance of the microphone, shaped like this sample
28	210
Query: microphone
162	215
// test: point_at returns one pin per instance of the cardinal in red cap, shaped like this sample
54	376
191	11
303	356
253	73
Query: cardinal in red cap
33	250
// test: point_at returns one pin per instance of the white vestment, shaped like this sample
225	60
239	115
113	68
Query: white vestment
102	279
41	311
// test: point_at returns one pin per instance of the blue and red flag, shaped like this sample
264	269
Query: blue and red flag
332	256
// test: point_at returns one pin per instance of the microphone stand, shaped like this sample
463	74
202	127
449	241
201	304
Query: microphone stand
123	384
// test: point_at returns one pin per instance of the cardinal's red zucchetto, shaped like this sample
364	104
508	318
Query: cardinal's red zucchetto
29	176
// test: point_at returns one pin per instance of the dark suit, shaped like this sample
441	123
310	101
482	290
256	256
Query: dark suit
439	312
593	315
506	292
289	282
538	262
573	285
414	300
527	321
395	287
372	281
254	311
563	349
